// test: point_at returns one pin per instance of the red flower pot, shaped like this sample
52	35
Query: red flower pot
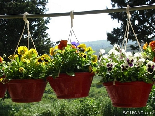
26	90
2	90
67	87
128	94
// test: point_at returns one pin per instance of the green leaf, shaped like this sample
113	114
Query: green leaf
71	73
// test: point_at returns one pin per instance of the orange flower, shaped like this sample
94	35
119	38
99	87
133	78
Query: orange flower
73	46
1	59
62	45
152	45
145	46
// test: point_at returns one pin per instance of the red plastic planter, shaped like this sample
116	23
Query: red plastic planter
67	87
128	94
26	90
2	90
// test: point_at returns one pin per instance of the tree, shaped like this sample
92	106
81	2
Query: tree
142	22
11	29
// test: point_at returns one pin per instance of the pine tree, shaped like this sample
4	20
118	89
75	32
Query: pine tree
142	22
11	29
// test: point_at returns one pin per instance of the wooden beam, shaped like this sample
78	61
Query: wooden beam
143	7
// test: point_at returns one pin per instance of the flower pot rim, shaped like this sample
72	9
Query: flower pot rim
76	73
79	73
26	80
111	83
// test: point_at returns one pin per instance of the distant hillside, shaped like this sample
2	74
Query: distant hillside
97	45
103	44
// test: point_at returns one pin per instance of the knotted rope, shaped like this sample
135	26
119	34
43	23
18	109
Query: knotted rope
127	29
29	35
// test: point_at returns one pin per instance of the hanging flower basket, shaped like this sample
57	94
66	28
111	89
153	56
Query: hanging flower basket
128	94
26	90
67	87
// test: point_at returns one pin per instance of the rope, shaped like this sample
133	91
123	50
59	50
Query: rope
29	35
72	17
27	22
70	35
71	30
127	29
135	36
19	39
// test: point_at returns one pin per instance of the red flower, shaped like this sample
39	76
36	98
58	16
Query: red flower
62	45
153	59
152	45
1	59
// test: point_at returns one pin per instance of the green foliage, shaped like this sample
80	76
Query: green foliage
11	29
151	101
2	66
68	58
27	65
122	66
144	29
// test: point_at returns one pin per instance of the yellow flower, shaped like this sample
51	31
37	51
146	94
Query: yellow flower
25	60
12	57
1	79
52	51
33	52
94	58
45	57
56	47
39	60
22	50
83	55
82	47
89	49
21	69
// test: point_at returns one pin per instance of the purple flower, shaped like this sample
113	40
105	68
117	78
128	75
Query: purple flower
124	67
150	67
75	44
109	67
130	62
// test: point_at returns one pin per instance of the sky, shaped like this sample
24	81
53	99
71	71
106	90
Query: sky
90	27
